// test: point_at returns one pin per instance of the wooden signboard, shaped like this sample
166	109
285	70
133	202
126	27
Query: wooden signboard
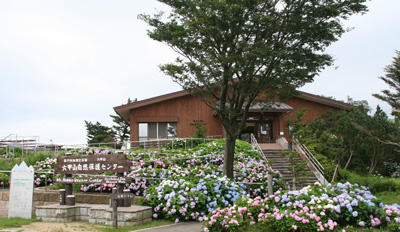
93	179
92	164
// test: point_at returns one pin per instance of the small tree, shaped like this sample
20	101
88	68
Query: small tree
232	51
97	133
392	78
122	127
200	131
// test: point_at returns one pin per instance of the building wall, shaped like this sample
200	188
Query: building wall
187	111
314	111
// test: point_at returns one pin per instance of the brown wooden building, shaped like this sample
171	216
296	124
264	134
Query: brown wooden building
176	114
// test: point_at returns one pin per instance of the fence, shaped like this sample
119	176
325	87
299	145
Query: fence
16	145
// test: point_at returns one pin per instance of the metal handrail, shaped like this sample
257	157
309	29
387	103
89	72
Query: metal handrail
257	146
310	157
311	160
4	139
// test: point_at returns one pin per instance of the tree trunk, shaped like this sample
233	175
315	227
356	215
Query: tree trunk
348	161
373	161
229	156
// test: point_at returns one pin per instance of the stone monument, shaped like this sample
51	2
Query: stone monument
21	191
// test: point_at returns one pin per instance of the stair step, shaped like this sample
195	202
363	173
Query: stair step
283	164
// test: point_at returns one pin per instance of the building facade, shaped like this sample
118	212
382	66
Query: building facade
175	115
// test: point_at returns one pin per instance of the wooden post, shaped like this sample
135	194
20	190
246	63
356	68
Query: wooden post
71	200
114	191
120	189
114	203
62	196
68	187
270	187
127	200
115	213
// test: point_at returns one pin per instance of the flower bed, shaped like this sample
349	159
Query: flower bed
149	169
338	207
191	198
44	166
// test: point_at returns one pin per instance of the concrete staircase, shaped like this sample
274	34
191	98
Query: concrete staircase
282	164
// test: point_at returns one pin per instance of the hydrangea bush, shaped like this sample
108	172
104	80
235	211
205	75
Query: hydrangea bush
340	207
391	169
97	187
191	198
4	180
149	169
45	166
92	151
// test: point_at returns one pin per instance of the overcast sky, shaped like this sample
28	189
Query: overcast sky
63	62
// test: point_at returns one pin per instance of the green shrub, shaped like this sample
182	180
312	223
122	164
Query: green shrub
33	159
4	180
374	183
176	144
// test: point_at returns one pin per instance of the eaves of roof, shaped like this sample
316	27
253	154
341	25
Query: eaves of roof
324	100
124	110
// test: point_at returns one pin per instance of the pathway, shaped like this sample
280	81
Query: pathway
178	227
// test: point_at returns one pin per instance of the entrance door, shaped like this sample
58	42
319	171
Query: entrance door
265	131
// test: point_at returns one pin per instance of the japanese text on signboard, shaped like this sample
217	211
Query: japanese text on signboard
92	164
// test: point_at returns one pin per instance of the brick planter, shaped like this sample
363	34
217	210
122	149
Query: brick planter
99	214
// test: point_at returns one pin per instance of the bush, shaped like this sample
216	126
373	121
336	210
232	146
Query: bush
176	144
191	198
41	166
316	208
375	183
92	151
33	159
207	159
4	180
391	169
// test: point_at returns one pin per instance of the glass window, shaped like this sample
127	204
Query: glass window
142	129
162	130
172	130
157	130
153	131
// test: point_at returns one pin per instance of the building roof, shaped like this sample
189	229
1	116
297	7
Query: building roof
271	107
124	110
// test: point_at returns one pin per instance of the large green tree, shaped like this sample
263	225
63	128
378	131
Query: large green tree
392	78
231	51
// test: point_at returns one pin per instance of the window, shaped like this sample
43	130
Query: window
172	130
157	130
143	128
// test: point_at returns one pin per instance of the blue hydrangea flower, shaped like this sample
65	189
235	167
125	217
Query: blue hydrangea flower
355	214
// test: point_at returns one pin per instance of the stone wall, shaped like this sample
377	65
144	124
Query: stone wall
41	198
94	213
4	198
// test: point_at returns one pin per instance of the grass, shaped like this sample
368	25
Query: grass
154	223
389	198
18	222
14	222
